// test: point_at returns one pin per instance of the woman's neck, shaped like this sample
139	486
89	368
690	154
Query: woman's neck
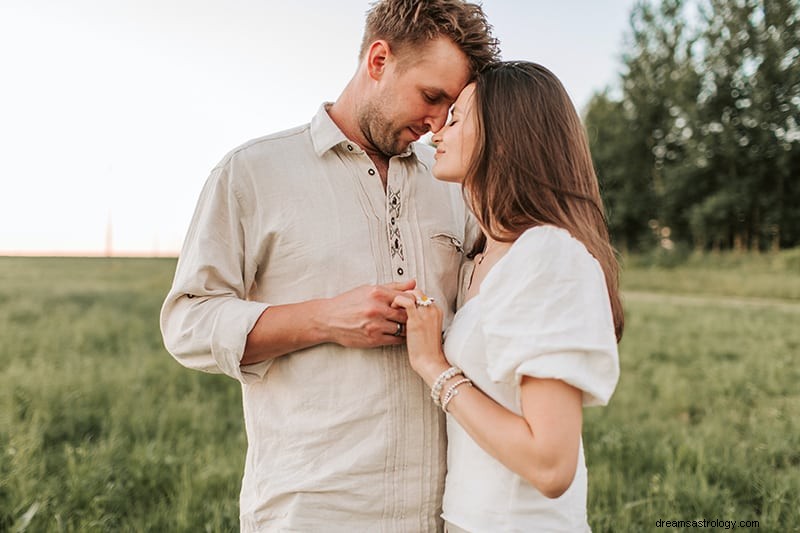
493	249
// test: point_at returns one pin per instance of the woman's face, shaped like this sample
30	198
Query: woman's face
455	142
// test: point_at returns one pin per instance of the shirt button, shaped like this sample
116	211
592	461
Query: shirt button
392	221
371	172
400	271
350	147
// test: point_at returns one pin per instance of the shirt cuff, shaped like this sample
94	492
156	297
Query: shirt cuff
229	337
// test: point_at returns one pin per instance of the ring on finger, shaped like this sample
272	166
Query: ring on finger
424	301
400	329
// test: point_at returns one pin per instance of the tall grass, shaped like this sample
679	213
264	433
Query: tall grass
704	421
100	430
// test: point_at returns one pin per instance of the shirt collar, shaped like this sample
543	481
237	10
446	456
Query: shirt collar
325	134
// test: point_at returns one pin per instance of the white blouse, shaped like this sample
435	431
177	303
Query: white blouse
542	311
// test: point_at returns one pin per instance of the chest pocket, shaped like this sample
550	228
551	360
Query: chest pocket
447	251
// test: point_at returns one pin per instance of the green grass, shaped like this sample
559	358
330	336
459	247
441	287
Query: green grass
774	275
703	423
100	430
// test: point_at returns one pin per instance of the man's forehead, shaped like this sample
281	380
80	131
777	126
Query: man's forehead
443	67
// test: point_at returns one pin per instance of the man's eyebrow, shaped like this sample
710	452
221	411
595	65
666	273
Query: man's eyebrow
441	93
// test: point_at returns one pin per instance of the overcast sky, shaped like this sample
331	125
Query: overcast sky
114	111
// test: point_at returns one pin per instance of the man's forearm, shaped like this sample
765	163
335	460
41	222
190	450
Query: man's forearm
283	329
359	318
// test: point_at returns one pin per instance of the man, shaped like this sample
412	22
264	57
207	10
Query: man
300	242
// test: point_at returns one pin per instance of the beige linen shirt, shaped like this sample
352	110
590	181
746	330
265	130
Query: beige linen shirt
339	439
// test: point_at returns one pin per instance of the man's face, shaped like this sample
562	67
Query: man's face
413	99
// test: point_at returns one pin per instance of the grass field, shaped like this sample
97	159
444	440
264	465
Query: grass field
100	430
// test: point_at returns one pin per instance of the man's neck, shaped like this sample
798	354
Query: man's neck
343	114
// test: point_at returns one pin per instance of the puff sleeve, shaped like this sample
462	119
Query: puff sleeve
545	313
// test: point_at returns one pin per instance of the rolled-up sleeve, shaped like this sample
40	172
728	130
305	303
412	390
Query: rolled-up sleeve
546	314
206	316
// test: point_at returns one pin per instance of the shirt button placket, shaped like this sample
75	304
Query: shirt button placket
396	247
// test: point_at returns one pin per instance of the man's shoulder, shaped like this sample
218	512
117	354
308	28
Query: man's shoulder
281	143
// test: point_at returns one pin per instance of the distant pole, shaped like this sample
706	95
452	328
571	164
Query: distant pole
108	236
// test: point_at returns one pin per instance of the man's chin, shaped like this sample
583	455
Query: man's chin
400	143
399	147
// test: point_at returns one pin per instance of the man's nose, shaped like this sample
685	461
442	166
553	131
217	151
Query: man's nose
436	122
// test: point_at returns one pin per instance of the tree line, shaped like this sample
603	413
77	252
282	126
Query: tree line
700	145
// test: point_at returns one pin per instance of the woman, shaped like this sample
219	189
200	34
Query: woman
536	336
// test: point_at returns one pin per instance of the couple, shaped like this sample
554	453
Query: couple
303	271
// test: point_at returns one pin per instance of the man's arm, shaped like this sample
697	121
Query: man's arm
359	318
209	324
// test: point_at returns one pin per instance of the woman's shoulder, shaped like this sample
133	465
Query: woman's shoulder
551	239
544	249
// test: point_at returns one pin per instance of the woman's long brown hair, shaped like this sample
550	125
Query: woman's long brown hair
532	165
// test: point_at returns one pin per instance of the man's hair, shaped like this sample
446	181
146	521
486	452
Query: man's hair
532	165
415	22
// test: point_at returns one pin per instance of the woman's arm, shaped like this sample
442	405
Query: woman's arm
541	446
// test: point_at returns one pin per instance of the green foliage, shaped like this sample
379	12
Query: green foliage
100	430
705	139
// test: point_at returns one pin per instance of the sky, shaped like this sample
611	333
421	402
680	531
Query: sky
113	112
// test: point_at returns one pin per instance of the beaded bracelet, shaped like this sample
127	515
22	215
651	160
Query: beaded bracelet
452	391
436	390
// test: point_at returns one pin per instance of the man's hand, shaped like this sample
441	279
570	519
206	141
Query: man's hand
364	317
359	318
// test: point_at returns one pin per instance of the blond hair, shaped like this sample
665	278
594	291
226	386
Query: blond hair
406	23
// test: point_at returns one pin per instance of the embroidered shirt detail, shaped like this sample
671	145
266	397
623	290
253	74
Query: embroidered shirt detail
395	240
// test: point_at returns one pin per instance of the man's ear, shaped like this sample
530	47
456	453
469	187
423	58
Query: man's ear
378	56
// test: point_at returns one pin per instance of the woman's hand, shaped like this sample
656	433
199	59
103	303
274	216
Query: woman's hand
423	335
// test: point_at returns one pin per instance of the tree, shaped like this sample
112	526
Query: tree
747	115
634	141
626	190
705	140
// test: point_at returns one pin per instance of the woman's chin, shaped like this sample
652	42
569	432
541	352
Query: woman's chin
442	175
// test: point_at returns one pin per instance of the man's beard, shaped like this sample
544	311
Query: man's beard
379	130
